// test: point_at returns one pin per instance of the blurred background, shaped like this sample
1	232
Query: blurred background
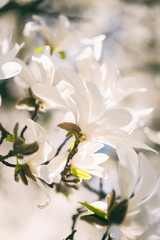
133	45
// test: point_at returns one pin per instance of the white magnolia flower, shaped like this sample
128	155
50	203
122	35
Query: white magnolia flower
137	180
107	78
58	40
45	151
41	70
85	159
132	170
8	67
85	102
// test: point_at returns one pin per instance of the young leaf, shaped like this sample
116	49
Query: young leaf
10	138
80	173
62	54
97	211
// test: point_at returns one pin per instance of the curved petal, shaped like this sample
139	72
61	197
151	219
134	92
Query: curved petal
44	190
49	94
46	68
25	75
127	170
147	181
116	136
71	77
54	168
9	69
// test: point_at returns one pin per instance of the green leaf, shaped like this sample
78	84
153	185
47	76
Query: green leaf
80	173
97	211
62	54
10	138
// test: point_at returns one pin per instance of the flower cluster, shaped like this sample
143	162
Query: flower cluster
88	95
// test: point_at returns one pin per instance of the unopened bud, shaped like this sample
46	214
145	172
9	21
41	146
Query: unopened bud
118	212
68	126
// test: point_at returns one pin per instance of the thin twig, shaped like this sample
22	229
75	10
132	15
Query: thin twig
105	234
100	193
2	159
5	133
61	146
75	216
34	116
71	236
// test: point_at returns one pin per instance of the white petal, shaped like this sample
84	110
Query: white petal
46	68
127	170
74	80
90	147
154	136
150	230
100	158
49	94
96	102
45	191
26	74
12	53
147	181
89	70
9	69
56	166
116	118
114	137
98	171
83	110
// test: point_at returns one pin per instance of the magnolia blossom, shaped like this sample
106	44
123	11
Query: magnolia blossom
58	40
45	151
8	67
112	86
85	102
85	159
41	70
137	180
107	78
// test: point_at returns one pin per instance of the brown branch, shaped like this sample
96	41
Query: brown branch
61	146
34	116
71	236
100	193
5	133
2	159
